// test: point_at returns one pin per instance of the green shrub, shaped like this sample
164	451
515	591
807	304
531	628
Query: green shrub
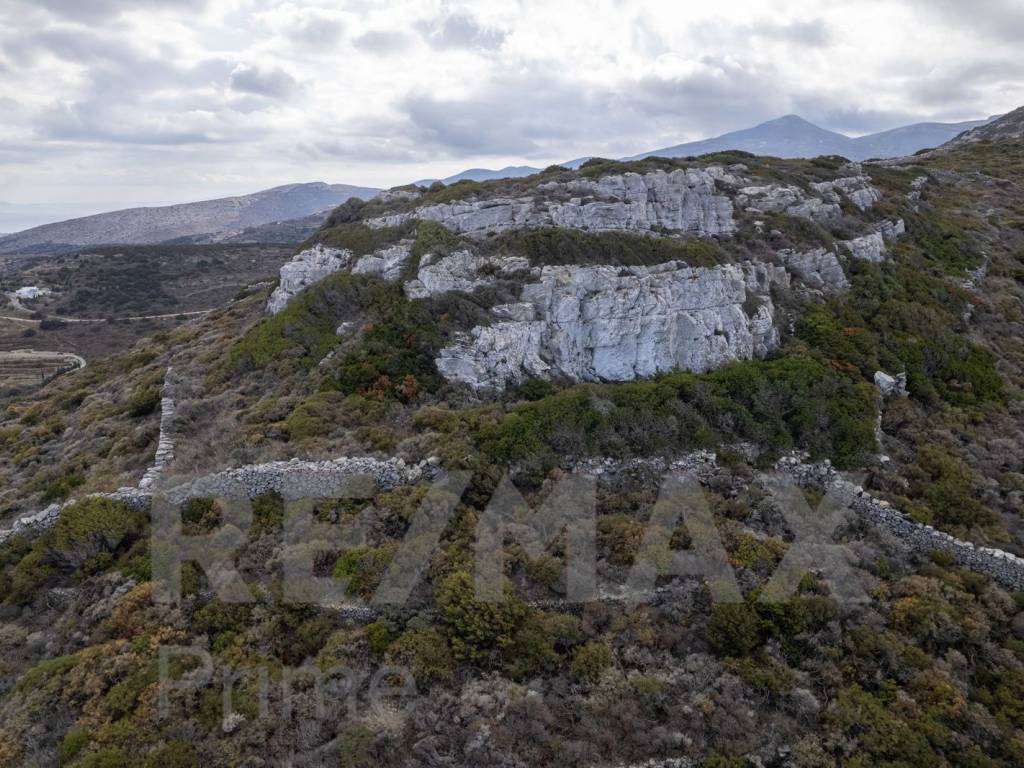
364	567
426	654
354	743
87	530
108	757
734	629
144	401
432	237
591	660
944	483
359	238
792	401
315	416
173	754
267	513
74	741
378	636
61	487
535	646
122	699
476	629
200	515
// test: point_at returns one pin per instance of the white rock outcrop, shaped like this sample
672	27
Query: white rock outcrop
308	267
316	263
891	385
463	271
857	189
867	248
872	247
817	269
682	200
605	323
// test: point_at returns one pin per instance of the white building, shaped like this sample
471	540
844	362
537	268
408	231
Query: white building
31	292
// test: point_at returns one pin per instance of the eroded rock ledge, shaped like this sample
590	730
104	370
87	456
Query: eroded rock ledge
603	323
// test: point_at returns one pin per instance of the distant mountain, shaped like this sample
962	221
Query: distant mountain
900	142
789	136
207	221
1008	126
792	136
483	174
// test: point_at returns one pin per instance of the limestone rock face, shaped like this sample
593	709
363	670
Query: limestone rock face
857	189
683	200
604	323
463	271
779	198
388	263
891	385
305	269
818	269
872	247
868	248
316	263
824	205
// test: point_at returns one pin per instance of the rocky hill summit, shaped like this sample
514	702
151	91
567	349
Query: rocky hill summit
698	306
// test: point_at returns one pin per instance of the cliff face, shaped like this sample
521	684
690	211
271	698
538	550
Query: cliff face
602	323
683	200
606	322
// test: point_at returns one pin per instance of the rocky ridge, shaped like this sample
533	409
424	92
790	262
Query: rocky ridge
605	323
694	201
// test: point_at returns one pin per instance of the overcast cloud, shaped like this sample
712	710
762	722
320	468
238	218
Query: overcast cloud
115	102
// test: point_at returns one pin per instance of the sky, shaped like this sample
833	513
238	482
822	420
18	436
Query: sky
112	103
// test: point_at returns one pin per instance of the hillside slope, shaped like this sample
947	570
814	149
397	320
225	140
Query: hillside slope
726	319
210	220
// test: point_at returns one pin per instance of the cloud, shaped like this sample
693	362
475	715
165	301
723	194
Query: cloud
534	114
813	33
94	122
997	19
460	30
382	43
92	10
272	83
169	98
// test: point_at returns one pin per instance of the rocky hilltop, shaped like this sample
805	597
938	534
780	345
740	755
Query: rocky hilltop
586	322
207	221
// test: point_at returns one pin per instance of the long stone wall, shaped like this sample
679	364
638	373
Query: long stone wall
295	479
323	479
165	443
1004	567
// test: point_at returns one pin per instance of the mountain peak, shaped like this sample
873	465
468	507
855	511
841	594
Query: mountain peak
790	119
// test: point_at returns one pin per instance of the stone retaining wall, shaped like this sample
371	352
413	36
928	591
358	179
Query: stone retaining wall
293	479
165	443
1005	568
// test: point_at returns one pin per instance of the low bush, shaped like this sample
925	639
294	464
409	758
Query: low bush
476	630
793	401
734	629
425	653
590	661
